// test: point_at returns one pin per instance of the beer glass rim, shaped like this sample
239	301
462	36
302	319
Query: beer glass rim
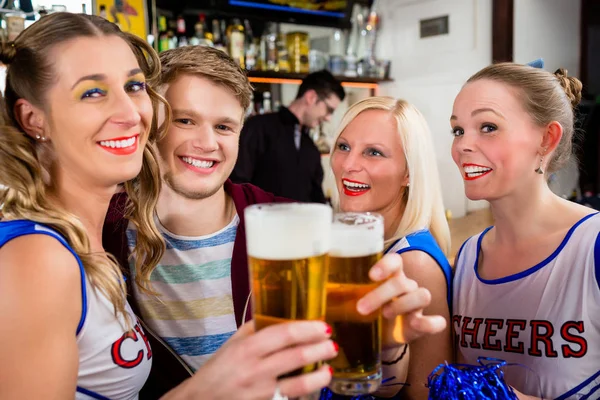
266	208
370	218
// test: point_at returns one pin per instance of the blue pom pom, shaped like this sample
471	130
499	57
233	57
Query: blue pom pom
470	382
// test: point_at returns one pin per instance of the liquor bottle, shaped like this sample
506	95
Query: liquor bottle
251	47
282	52
181	38
163	37
217	36
224	36
199	38
266	102
269	55
171	34
236	39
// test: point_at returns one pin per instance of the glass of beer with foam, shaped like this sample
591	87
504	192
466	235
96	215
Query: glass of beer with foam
288	246
356	245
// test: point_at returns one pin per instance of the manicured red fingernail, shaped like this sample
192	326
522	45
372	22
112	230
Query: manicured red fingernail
328	330
336	347
330	370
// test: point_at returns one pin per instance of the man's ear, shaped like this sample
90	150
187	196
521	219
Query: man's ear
30	118
311	97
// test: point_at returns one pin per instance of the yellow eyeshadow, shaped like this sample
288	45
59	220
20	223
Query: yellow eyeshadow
85	86
138	77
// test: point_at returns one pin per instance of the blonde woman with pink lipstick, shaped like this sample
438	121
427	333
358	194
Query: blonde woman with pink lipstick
526	290
383	161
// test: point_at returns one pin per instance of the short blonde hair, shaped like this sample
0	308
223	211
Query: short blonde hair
207	62
424	208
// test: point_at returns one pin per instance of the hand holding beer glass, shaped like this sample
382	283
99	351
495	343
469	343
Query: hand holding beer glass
287	247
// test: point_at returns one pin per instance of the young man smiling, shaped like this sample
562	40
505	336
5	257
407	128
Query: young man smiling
202	280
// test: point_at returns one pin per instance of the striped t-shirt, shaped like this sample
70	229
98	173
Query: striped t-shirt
194	310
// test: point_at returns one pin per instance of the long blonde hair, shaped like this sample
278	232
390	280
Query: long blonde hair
24	162
423	203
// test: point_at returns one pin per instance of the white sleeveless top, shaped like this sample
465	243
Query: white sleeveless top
546	317
114	362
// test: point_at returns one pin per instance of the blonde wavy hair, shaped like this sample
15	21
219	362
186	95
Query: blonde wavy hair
424	208
25	162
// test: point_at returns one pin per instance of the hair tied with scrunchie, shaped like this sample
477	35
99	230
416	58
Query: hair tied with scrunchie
8	52
539	63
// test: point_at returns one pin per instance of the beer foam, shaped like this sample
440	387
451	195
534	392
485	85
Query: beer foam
356	240
287	231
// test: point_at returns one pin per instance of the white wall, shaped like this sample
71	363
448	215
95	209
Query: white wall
550	29
429	72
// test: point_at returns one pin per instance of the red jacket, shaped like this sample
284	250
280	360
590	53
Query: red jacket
168	370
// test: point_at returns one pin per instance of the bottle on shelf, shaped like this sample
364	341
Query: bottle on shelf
282	52
200	35
251	47
224	36
163	37
298	47
181	37
236	39
268	49
171	34
218	39
266	108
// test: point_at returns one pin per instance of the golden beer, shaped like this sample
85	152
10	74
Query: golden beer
287	290
357	244
287	248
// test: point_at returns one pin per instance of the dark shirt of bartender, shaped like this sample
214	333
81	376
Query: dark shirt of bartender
276	151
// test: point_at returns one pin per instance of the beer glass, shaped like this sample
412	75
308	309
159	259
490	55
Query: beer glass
356	245
287	246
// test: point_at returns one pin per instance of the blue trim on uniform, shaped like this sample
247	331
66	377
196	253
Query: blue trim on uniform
424	241
93	395
462	246
579	387
591	392
529	271
597	259
13	229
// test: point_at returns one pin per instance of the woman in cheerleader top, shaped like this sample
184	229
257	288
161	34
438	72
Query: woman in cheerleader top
526	290
383	161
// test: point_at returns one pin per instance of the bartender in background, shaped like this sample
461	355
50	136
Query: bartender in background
276	152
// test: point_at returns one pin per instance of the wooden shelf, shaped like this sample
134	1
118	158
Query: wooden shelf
296	78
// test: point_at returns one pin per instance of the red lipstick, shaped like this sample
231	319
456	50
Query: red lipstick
128	145
353	190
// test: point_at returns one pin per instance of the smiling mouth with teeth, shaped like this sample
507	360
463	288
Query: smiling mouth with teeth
120	146
200	164
354	188
473	171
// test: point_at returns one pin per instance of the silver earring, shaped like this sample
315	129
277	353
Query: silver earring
37	137
539	169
